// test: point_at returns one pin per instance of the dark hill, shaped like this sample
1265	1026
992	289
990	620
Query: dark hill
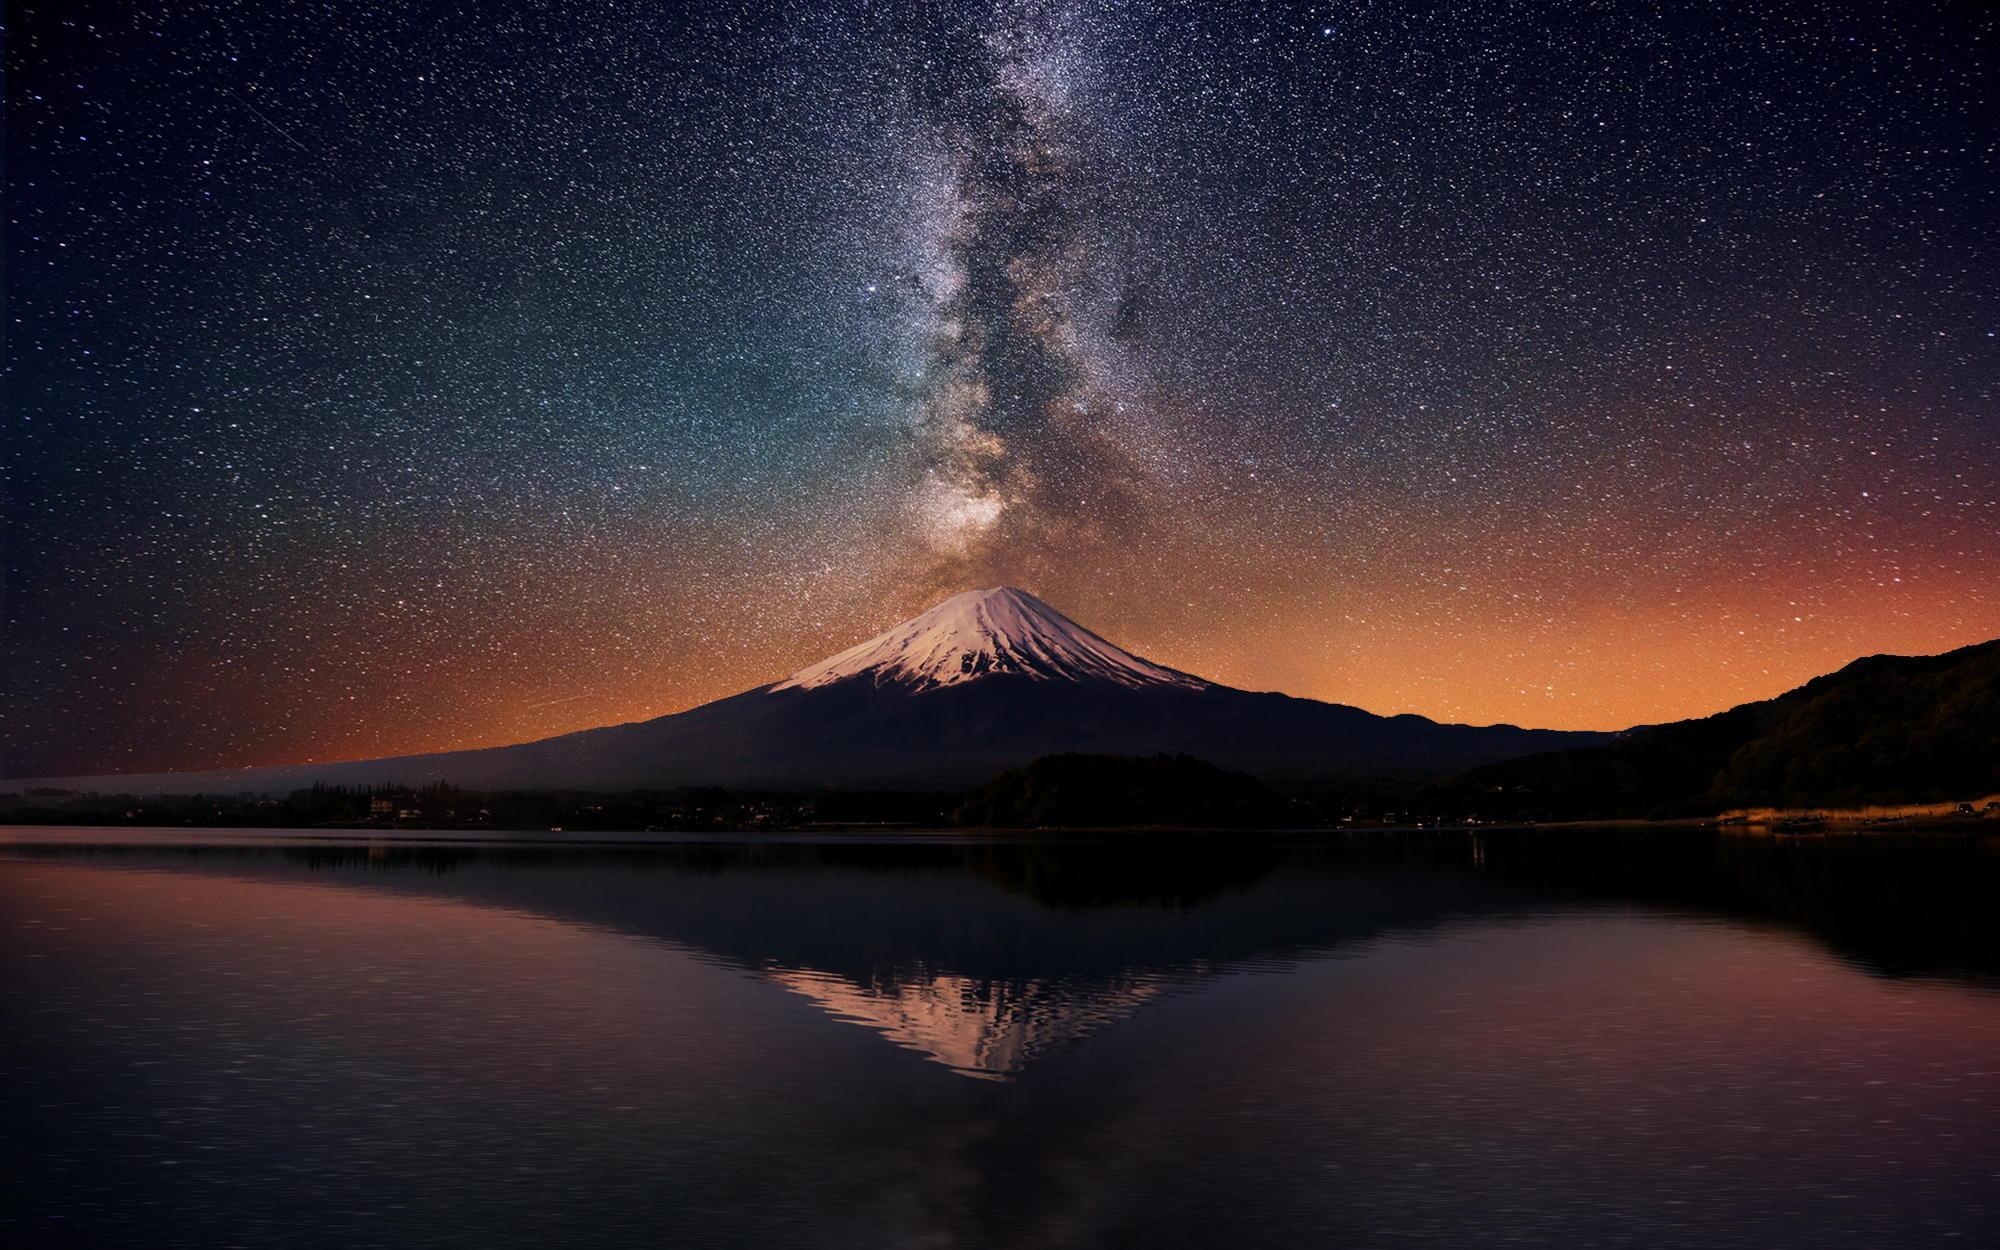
1884	729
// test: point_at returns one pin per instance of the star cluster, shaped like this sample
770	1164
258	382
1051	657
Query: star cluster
390	376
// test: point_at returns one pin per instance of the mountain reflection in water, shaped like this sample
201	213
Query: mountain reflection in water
1560	1035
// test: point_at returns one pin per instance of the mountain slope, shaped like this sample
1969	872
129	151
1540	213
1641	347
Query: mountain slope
985	681
1884	729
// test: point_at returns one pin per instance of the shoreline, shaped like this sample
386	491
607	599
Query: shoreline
24	834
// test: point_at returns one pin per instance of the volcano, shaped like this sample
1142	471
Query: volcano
986	680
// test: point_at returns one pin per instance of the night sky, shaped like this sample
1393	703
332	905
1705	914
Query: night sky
392	377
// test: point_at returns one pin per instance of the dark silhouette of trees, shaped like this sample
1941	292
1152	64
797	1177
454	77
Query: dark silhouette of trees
1083	791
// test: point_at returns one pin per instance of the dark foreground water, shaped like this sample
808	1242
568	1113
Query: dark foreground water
1530	1039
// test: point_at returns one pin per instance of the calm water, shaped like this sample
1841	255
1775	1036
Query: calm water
1526	1039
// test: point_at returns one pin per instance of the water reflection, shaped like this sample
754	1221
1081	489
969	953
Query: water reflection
979	1028
1525	1040
912	939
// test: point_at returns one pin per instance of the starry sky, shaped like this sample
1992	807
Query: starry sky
385	377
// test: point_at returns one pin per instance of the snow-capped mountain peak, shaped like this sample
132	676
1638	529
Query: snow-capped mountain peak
984	633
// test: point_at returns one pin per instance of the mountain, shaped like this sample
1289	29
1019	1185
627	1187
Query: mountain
985	681
1885	729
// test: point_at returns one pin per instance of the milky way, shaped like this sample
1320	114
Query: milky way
1020	414
406	376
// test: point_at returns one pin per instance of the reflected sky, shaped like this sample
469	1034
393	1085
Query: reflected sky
956	1045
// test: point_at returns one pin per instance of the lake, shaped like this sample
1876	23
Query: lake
1596	1038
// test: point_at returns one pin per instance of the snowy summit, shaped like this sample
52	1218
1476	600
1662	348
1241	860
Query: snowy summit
983	633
